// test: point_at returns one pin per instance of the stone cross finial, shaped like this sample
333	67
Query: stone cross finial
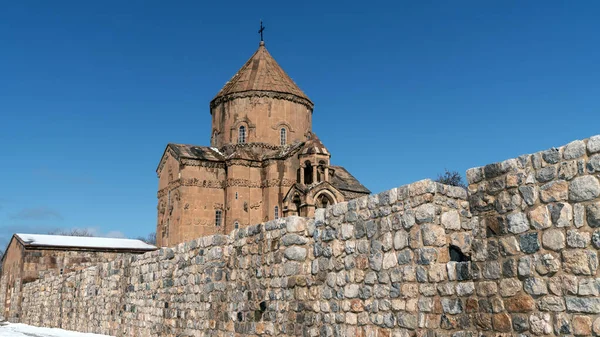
262	28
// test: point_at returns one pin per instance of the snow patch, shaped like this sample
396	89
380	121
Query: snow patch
23	330
83	242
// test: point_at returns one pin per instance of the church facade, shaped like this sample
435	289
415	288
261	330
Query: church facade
263	162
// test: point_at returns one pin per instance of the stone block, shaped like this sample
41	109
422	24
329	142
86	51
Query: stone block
553	239
554	191
584	188
451	220
517	223
574	150
582	325
580	261
519	303
593	214
540	324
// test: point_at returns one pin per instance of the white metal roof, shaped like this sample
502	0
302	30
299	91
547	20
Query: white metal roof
83	242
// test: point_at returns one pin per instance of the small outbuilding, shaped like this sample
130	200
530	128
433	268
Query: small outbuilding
29	256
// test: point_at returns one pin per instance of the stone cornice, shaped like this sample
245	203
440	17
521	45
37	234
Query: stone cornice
258	93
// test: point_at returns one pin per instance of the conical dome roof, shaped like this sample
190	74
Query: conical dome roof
262	73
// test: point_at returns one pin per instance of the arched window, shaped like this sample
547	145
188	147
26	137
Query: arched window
323	201
218	217
242	135
236	225
283	136
276	212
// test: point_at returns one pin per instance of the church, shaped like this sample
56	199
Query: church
263	162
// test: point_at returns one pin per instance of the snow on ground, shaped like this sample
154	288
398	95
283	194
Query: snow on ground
22	330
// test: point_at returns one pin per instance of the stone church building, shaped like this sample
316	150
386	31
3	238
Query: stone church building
263	161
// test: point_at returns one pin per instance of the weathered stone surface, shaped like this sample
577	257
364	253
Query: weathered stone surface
584	188
517	223
351	290
539	217
553	239
451	220
520	322
589	305
592	212
425	213
551	156
465	288
596	239
529	243
509	246
557	190
535	286
295	253
426	255
486	288
594	163
546	174
400	239
551	303
589	287
525	266
293	239
574	149
547	264
433	235
389	260
501	322
519	303
593	144
578	215
407	320
582	325
562	324
577	239
295	224
509	287
596	326
529	194
580	261
561	214
452	306
539	324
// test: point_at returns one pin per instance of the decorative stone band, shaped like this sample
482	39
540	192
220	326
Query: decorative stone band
257	93
222	184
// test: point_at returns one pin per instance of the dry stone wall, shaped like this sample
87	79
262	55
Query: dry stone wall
541	214
516	255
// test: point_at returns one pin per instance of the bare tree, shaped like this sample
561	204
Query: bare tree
150	239
73	232
451	178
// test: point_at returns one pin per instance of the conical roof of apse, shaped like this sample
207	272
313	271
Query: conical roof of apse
262	73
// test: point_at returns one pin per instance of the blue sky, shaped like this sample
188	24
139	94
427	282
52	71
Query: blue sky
91	92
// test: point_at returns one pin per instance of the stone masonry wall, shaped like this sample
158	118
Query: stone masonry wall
517	254
538	265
